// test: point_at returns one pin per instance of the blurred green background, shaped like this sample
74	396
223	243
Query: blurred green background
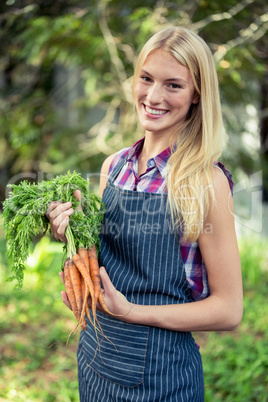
37	364
65	103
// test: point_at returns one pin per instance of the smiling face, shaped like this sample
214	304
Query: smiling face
163	93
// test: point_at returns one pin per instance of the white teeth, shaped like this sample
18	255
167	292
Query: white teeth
153	111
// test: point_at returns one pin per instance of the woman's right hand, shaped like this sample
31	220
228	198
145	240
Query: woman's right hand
58	214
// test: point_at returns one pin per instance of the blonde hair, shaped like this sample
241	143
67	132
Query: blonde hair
200	139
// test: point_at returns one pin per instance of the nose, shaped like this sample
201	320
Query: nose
155	94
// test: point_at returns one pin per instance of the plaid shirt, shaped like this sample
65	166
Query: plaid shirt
153	181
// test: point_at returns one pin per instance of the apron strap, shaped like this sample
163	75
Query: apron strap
117	169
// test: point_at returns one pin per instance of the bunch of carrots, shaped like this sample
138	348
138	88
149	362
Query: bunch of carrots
25	217
78	279
82	280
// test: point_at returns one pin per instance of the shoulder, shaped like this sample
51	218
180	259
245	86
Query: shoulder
112	160
108	165
104	173
219	222
220	179
222	190
222	175
222	210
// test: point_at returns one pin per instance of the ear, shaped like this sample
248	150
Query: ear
196	99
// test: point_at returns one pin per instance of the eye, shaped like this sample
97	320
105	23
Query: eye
146	78
174	86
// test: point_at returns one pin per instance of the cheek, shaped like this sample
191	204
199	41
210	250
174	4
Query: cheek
135	94
138	91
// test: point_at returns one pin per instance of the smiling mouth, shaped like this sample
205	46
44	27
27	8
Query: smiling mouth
155	112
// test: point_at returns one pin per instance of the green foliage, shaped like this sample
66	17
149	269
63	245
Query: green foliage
51	126
24	217
236	364
34	325
254	259
236	369
36	364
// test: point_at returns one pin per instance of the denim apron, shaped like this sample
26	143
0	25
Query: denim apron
141	254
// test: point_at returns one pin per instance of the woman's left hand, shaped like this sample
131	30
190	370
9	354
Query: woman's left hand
115	300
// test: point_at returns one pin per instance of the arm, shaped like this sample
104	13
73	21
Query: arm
222	310
104	173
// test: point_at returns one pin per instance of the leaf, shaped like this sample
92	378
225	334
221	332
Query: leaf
24	217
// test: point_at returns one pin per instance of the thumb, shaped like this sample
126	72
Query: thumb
105	280
78	196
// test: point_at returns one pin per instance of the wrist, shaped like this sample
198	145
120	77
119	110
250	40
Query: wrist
137	314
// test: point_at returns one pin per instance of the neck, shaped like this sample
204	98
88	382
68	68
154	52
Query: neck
153	145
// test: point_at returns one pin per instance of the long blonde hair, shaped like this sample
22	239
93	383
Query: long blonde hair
200	139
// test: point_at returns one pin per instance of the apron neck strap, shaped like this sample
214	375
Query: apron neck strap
117	169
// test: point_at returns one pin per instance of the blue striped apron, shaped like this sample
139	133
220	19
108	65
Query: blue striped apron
141	254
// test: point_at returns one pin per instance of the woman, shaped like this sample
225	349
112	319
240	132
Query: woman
168	244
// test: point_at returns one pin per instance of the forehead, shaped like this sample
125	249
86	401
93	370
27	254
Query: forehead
160	62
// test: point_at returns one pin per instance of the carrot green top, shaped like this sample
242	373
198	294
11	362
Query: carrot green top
25	217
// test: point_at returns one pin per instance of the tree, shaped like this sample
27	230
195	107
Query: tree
49	48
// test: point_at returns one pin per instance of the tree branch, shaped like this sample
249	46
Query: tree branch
252	33
197	26
112	49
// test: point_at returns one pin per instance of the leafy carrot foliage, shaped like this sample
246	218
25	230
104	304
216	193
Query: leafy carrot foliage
25	216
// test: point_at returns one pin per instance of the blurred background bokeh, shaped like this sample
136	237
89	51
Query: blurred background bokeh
65	104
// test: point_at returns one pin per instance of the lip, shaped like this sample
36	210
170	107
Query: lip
154	116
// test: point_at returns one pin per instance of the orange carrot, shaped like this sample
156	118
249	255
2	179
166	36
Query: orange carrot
94	272
83	287
82	252
85	309
82	321
95	276
75	277
86	305
81	266
69	288
85	293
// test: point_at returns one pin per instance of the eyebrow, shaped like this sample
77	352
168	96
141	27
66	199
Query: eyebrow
168	80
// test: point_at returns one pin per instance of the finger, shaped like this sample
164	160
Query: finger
59	220
61	274
54	209
64	296
105	280
59	230
58	209
78	196
65	300
51	206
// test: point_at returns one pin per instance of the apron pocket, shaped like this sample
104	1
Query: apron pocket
121	358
